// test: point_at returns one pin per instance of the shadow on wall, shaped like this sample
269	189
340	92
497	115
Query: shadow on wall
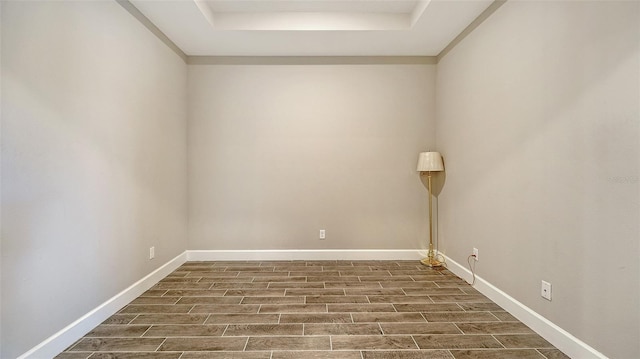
438	179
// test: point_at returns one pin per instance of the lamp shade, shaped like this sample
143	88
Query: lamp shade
430	162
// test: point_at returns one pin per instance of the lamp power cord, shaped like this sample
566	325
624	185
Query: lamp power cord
472	268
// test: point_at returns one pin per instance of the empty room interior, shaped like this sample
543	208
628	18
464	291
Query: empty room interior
143	142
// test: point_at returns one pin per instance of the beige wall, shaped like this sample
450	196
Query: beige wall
93	161
277	152
538	118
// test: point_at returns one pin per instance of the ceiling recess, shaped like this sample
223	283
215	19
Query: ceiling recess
311	27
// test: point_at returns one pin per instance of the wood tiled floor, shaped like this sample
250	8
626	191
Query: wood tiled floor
311	309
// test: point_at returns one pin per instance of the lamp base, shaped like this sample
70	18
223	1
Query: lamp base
431	262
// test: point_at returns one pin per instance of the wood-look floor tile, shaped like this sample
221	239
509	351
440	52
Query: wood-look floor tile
185	330
316	318
497	354
154	293
325	279
294	268
216	274
505	316
449	282
320	263
226	308
195	292
341	354
296	309
204	344
553	354
385	281
345	267
360	342
262	274
460	317
293	308
273	300
420	328
226	355
180	279
433	291
400	299
450	341
342	329
387	317
425	277
428	307
251	271
155	300
480	307
315	273
118	331
210	300
70	355
235	285
407	354
184	271
523	341
415	272
408	284
353	308
120	319
283	279
298	292
135	355
289	343
344	285
241	267
255	293
383	273
236	265
191	286
117	344
469	290
314	285
170	319
374	291
263	329
459	298
221	279
337	299
155	308
494	328
242	318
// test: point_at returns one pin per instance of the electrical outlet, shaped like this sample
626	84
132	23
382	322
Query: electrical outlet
545	290
152	252
475	253
323	234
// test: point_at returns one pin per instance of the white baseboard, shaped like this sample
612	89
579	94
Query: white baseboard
301	254
560	338
58	342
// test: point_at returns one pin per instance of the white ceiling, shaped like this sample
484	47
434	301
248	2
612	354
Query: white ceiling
311	27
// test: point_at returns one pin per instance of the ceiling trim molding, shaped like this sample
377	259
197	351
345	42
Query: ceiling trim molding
469	29
127	5
311	60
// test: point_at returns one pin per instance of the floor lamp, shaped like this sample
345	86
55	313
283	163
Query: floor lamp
430	162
